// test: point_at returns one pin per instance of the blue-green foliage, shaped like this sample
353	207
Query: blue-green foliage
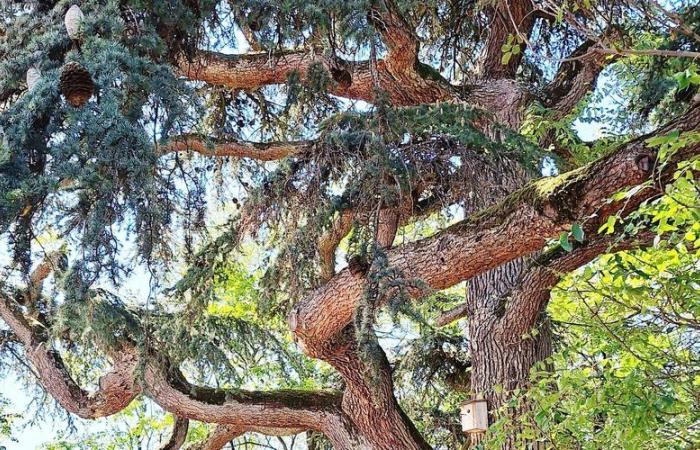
96	166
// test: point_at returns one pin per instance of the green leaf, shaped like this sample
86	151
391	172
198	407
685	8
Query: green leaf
577	232
609	226
506	58
564	242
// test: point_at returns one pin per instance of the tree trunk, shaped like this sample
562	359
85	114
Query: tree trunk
369	401
500	366
500	362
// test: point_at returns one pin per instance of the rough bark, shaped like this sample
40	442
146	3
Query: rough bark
507	18
221	147
178	436
516	227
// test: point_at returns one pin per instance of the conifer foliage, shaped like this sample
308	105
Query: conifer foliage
344	218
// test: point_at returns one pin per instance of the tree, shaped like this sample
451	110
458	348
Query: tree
410	137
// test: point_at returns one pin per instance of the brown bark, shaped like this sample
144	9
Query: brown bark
178	436
368	399
575	78
217	439
507	17
518	226
262	151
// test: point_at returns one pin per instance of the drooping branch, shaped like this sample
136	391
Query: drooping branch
516	227
220	147
273	412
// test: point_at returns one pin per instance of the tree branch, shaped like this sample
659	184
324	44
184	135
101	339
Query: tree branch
521	224
397	74
268	151
246	410
222	435
508	17
533	290
399	37
178	436
576	77
452	315
116	389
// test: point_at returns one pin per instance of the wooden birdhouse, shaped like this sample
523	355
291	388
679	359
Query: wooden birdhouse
474	415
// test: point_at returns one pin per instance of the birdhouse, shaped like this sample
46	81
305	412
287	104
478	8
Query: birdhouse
475	417
33	76
72	20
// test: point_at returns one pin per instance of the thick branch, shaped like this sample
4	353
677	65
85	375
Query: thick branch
269	151
576	77
116	389
281	410
532	294
518	226
399	37
247	71
508	17
274	412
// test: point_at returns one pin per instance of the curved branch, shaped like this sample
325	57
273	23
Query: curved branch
577	75
518	226
116	389
533	290
178	436
268	151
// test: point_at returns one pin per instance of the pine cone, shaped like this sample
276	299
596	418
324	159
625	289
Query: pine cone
72	21
76	84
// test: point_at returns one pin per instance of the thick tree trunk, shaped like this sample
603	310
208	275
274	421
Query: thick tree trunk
369	401
501	364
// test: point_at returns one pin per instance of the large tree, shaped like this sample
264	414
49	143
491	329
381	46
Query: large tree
358	156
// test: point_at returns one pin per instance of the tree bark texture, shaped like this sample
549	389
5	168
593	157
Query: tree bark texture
493	248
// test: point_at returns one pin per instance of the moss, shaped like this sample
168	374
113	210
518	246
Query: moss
560	190
428	73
